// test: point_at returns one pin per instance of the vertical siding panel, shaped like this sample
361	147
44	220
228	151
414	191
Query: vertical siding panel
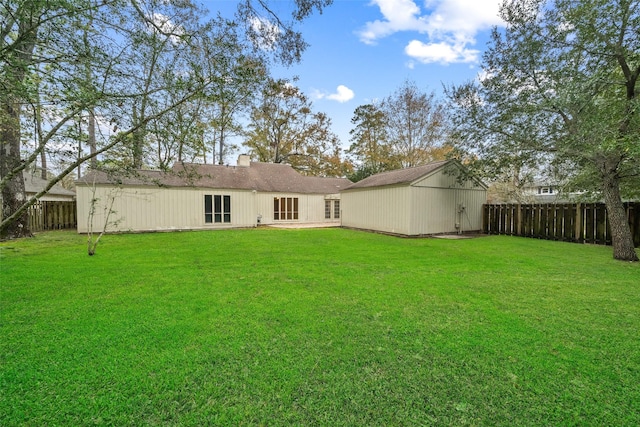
310	207
430	206
436	203
384	209
150	209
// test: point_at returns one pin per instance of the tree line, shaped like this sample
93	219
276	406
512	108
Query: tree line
126	84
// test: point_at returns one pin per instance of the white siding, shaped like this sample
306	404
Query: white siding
156	209
381	209
440	204
150	209
431	205
310	207
438	210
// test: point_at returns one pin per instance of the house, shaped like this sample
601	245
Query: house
34	184
544	192
416	201
197	196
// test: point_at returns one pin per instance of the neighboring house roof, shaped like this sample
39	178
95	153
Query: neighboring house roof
402	176
263	177
34	184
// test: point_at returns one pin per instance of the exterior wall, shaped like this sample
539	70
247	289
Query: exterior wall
310	208
429	206
439	204
159	209
438	210
156	209
440	179
382	209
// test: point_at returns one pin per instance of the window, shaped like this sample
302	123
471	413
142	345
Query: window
217	209
328	209
285	208
208	209
545	190
226	205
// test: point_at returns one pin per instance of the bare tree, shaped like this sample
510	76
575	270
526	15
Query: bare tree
108	211
415	125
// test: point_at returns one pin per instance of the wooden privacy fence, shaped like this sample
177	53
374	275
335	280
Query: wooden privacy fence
52	216
570	222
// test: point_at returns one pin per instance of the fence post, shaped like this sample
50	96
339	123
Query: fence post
634	221
52	215
576	224
601	224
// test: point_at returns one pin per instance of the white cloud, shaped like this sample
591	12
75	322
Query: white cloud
400	15
342	94
463	17
442	52
449	27
264	33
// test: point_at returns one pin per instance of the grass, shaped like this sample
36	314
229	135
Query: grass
316	327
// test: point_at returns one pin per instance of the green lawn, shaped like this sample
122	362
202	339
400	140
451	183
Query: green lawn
316	327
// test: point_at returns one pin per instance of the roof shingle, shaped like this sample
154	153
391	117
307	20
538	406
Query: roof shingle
263	177
400	176
35	184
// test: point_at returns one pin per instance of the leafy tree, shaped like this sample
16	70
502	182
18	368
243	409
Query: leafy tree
284	129
415	125
370	148
179	134
26	32
561	90
510	187
122	62
407	129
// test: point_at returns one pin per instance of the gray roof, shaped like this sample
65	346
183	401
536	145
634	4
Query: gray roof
400	176
263	177
34	184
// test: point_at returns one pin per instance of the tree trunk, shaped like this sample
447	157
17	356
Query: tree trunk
621	238
38	139
79	156
137	141
223	113
221	147
13	194
91	129
43	165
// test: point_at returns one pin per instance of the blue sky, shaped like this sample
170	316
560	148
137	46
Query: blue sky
363	50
